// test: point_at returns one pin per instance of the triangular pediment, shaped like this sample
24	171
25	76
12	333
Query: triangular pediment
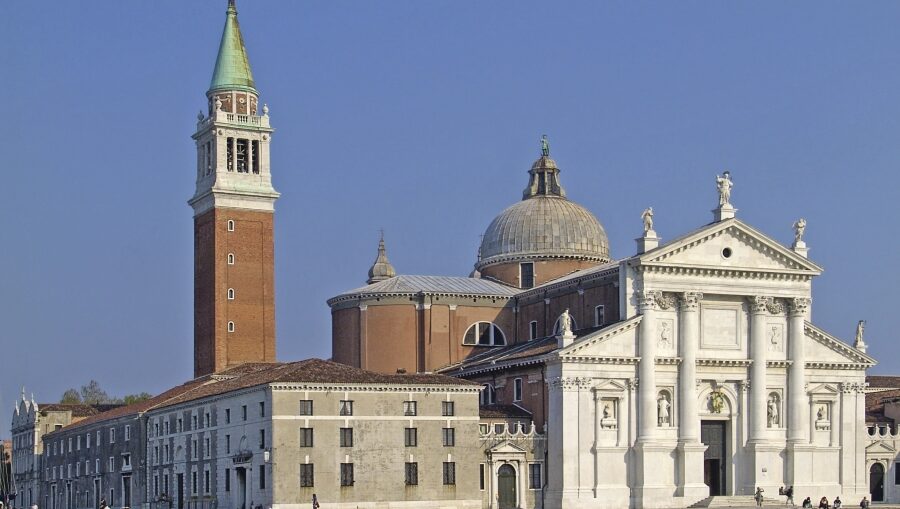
823	389
822	347
880	447
506	448
617	340
746	248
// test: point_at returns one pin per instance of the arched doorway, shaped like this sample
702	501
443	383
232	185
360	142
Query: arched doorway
876	482
506	487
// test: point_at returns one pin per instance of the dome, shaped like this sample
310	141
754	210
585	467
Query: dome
544	226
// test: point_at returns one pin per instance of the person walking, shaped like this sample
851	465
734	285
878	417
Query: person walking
789	493
864	503
758	496
315	502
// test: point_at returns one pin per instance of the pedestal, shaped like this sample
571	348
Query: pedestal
690	464
654	474
647	242
764	466
724	212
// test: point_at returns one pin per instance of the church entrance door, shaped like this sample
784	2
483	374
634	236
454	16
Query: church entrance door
712	434
876	482
506	487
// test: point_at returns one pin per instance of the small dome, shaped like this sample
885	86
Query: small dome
382	268
544	227
545	224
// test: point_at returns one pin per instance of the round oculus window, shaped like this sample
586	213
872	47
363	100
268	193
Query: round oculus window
726	253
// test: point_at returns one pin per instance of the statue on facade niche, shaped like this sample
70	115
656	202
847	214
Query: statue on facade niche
662	407
724	184
545	146
773	412
606	411
647	217
565	323
820	414
799	229
716	402
218	103
775	338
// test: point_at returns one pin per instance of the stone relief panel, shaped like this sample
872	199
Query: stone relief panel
775	336
665	330
720	328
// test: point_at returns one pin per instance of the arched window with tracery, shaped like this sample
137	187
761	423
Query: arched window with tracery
484	334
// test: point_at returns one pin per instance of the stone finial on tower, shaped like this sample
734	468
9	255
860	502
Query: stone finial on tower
859	343
382	268
725	210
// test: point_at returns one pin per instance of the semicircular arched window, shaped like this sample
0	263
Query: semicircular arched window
484	334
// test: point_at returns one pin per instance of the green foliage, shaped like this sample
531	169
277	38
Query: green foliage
92	394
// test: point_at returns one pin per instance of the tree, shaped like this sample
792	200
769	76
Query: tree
136	398
93	394
70	396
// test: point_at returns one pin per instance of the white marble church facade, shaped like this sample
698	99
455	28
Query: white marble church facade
713	382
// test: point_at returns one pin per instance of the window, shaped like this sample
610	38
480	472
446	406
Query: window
306	437
112	464
242	156
532	329
447	409
194	421
449	437
346	437
517	389
262	408
165	486
156	484
487	394
484	334
306	475
481	476
70	444
206	482
557	327
194	482
346	407
166	453
412	474
230	225
230	258
897	473
156	455
166	426
262	439
306	407
155	431
534	476
227	479
262	477
78	443
194	452
97	466
244	412
227	416
449	473
409	408
255	153
127	432
229	154
179	425
410	437
231	294
230	326
526	274
78	469
206	419
346	474
599	316
206	449
208	158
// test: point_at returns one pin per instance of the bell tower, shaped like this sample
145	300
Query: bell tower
234	204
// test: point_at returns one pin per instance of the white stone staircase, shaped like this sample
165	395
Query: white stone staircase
738	501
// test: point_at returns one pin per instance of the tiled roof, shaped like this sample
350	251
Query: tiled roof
881	390
406	285
77	409
498	411
502	355
244	376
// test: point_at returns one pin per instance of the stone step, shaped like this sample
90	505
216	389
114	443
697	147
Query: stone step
737	501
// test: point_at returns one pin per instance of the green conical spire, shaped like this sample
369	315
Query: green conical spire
232	65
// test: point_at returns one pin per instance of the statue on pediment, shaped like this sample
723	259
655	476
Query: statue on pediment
799	229
724	185
647	218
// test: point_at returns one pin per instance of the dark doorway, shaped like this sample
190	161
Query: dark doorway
126	491
241	475
179	481
876	482
97	493
506	487
712	434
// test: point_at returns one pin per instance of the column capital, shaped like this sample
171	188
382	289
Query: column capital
690	301
799	305
759	304
655	299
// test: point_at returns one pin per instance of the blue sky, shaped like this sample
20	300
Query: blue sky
422	118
